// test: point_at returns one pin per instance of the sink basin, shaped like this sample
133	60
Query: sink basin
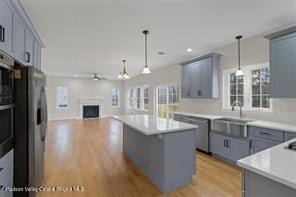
233	120
231	126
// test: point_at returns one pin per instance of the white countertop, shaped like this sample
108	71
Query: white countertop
151	125
273	125
276	163
205	116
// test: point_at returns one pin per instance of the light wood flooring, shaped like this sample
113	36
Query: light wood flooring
88	153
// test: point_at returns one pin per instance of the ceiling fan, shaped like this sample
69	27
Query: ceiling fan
96	78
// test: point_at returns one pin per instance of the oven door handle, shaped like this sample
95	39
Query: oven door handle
4	107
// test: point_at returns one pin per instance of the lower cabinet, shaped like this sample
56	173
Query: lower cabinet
6	174
264	138
229	148
289	136
260	144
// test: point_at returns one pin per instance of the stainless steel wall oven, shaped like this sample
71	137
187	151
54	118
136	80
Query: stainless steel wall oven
6	103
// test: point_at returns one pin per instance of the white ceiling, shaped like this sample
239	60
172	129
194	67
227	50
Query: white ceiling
87	36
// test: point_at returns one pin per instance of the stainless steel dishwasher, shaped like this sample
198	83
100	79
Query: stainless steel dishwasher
202	133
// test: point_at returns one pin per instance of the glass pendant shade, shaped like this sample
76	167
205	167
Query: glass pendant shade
146	70
239	72
123	75
120	76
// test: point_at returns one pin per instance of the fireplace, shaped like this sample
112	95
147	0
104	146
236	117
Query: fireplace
91	111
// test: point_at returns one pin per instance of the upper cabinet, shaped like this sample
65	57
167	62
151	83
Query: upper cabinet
200	77
6	17
29	49
283	63
19	40
18	37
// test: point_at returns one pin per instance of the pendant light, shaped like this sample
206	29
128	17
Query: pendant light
239	71
123	75
146	69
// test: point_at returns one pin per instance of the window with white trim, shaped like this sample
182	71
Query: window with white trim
138	98
145	98
62	97
236	87
167	100
131	96
260	88
252	89
115	97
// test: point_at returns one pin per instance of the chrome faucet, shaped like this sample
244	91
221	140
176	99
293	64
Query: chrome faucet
240	107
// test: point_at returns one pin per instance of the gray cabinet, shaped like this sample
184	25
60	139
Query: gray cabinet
239	148
219	145
19	39
29	48
6	17
289	136
264	138
229	148
283	63
200	77
37	55
6	173
259	144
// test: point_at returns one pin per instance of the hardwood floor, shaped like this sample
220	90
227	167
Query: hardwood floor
89	154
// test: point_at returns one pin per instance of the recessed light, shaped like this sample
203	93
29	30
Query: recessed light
75	75
189	50
161	53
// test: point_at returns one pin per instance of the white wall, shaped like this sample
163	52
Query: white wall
82	88
254	50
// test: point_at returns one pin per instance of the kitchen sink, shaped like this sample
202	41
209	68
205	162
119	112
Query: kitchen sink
231	126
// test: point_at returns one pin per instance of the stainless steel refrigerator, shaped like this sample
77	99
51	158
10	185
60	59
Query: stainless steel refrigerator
30	125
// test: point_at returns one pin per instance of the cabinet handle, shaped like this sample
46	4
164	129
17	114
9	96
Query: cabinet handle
251	144
1	169
227	144
27	57
199	92
2	34
265	133
188	93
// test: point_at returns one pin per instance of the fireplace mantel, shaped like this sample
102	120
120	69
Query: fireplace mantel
89	101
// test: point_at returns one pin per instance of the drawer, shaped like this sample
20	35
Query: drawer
6	161
265	133
289	136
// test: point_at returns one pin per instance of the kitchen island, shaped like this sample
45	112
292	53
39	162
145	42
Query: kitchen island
270	173
164	149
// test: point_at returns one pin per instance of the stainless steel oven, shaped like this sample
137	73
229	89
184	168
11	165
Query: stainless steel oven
6	103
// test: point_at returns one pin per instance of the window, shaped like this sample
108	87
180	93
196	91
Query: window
131	98
261	88
115	97
145	98
252	89
236	87
167	100
62	97
138	98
